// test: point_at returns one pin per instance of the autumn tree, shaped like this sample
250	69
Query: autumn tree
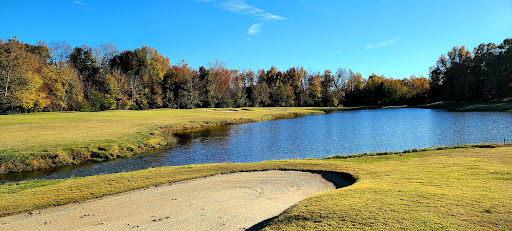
261	92
152	67
314	90
328	96
40	52
297	79
221	80
59	52
74	94
19	78
181	87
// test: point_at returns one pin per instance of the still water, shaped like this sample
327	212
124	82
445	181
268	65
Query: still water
316	136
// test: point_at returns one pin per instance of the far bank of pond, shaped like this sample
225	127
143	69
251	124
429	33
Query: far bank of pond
496	106
43	140
315	136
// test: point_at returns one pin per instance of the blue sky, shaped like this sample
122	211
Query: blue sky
394	38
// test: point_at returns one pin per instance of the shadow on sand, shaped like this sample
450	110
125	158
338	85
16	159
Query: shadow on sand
339	179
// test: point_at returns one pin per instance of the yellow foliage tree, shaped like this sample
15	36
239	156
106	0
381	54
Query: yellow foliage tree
19	78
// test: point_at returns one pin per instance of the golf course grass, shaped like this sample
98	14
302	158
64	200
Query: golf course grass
460	189
49	139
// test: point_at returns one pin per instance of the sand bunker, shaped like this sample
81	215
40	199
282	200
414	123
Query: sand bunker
225	202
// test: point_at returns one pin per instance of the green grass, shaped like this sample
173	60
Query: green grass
452	189
42	140
504	106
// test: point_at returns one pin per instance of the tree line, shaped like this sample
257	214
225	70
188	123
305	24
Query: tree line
484	74
56	77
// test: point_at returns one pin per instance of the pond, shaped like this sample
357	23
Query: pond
315	136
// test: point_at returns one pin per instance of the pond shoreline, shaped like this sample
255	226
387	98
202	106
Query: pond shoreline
497	106
162	136
12	162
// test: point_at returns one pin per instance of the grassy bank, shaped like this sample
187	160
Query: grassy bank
503	106
462	189
43	140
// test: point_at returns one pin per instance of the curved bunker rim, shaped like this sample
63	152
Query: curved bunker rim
339	179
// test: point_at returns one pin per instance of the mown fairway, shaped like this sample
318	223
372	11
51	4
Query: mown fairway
35	132
42	140
461	189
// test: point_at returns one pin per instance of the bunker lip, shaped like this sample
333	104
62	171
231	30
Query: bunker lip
339	179
230	201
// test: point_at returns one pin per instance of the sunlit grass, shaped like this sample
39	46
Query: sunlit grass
38	131
41	140
458	189
463	189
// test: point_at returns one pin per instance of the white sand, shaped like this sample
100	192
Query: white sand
226	202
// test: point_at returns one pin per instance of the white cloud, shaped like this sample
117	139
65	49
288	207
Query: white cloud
270	17
82	5
255	29
383	43
241	7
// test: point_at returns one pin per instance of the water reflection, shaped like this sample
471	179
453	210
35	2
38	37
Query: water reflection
314	136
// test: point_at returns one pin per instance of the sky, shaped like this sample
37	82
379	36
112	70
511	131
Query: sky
394	38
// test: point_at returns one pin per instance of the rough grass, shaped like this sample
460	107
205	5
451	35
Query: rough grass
42	140
454	189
